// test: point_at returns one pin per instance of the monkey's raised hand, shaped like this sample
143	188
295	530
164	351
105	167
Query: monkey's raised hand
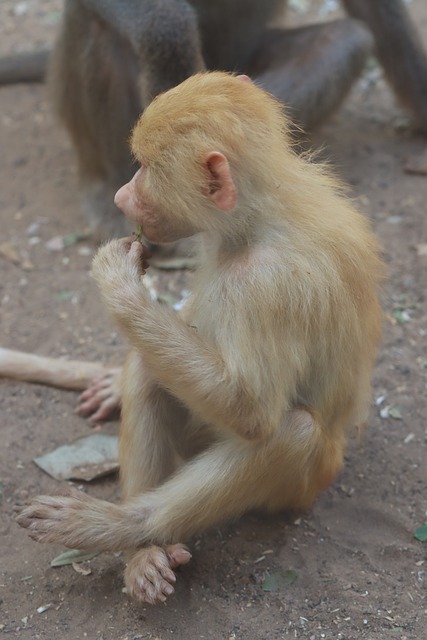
118	265
117	268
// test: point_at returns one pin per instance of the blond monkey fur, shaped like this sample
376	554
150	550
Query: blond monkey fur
244	401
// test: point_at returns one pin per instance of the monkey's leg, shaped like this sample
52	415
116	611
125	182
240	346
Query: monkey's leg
311	69
152	432
152	423
233	475
93	80
399	50
110	60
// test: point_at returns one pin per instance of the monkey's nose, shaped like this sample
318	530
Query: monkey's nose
121	197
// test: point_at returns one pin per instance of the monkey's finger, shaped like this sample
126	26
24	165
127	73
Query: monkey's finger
136	251
165	588
146	591
106	409
89	401
42	502
19	508
45	531
29	522
167	575
160	574
39	522
101	381
92	400
158	589
37	514
125	243
153	596
145	251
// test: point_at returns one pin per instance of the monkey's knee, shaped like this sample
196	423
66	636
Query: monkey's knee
347	44
301	424
309	461
329	57
353	34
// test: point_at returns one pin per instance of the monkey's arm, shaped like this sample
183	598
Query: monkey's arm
178	357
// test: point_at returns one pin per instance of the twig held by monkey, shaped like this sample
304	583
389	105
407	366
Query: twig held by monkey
246	400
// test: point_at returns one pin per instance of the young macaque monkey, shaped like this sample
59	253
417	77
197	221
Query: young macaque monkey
245	400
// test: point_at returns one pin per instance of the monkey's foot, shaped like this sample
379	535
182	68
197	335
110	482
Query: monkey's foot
74	520
149	575
102	398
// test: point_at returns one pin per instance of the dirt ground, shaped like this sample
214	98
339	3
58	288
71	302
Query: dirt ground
360	573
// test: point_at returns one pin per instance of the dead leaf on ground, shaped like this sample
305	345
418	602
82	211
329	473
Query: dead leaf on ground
10	253
421	533
391	412
401	316
72	556
279	579
84	571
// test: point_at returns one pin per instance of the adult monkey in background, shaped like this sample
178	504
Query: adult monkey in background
245	400
112	57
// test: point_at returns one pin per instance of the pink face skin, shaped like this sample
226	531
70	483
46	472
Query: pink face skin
130	200
158	226
220	189
126	198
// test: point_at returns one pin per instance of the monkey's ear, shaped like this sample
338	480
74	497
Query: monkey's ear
221	188
244	78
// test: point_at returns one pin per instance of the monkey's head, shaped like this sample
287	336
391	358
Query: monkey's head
204	148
